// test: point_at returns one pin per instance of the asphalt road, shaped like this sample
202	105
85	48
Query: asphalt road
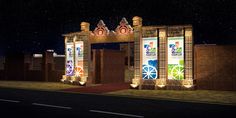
41	104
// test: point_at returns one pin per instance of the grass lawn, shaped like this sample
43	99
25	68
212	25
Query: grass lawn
51	86
205	96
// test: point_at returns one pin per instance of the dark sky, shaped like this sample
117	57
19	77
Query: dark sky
36	25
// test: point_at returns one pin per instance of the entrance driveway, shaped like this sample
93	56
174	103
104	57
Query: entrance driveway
102	88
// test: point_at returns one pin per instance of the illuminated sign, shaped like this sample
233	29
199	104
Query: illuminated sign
176	58
149	64
69	59
79	49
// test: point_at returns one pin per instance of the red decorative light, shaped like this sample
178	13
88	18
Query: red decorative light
100	32
123	30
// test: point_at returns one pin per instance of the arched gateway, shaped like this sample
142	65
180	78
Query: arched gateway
163	55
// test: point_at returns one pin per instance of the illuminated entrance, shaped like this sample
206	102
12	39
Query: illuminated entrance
163	57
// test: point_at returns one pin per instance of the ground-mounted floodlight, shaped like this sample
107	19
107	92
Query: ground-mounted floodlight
82	81
187	83
160	83
135	83
64	77
72	79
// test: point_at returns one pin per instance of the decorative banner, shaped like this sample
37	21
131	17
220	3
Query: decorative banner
176	58
149	64
79	49
69	59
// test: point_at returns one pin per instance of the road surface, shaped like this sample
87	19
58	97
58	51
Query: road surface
40	104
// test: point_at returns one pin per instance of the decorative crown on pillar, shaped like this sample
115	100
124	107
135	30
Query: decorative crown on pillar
84	26
137	21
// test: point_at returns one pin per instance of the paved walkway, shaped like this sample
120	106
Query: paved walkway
102	88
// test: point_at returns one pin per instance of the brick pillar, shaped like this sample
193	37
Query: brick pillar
137	25
47	65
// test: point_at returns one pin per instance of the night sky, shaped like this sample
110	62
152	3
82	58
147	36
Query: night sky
32	26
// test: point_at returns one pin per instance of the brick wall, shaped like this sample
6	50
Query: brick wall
28	68
215	67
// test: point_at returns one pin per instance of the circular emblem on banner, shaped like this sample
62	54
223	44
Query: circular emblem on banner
177	72
149	72
79	71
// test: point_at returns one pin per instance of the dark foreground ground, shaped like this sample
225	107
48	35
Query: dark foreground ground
19	103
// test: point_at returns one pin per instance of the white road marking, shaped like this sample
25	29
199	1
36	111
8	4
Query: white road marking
115	113
54	106
5	100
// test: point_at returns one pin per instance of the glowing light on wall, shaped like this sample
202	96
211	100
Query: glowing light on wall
176	58
149	64
37	55
69	59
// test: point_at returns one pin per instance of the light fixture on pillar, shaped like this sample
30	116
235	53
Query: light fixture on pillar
135	83
82	81
64	77
161	83
73	78
187	83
